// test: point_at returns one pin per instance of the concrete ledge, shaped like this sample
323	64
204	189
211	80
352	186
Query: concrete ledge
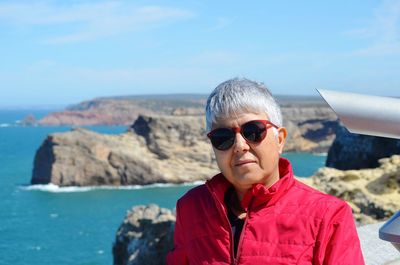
375	250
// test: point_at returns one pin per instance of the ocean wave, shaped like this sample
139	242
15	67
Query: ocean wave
57	189
4	125
320	154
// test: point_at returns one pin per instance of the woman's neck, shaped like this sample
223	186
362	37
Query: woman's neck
235	205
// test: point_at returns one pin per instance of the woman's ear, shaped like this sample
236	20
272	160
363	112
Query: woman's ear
282	133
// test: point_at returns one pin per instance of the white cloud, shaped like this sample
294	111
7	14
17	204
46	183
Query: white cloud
383	31
89	21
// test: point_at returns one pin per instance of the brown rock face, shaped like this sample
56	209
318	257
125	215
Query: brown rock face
85	158
165	149
170	136
374	194
78	118
311	126
144	237
124	110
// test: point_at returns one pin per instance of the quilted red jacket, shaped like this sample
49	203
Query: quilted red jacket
288	223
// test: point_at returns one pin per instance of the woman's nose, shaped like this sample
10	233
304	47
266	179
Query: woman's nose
240	144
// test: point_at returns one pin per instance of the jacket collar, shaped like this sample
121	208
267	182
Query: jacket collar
258	194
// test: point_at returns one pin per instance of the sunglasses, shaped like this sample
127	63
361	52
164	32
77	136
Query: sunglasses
252	131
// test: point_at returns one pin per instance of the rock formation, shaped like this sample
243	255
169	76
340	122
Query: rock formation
311	123
374	194
156	149
29	120
144	237
355	151
124	110
165	150
164	134
314	135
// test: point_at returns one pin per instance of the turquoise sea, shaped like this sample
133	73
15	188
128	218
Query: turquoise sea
42	225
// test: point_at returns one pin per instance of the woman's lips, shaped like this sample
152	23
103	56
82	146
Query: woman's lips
244	162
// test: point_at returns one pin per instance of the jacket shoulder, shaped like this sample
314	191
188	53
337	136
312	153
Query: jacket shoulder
314	194
196	192
316	201
194	197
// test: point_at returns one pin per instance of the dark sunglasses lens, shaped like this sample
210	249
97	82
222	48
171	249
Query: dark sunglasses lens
222	139
254	131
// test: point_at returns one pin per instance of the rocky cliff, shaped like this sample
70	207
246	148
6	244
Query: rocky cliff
144	237
124	110
311	123
310	129
164	149
355	151
374	194
156	149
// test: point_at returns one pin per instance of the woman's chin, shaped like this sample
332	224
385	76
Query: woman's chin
248	180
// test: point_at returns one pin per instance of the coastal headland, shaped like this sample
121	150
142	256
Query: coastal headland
167	133
165	143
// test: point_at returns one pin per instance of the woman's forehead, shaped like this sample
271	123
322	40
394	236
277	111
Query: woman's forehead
238	119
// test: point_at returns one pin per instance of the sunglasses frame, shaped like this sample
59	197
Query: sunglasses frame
236	130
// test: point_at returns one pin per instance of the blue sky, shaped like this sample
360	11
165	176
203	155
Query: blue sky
64	52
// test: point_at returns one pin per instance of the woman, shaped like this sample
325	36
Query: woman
254	211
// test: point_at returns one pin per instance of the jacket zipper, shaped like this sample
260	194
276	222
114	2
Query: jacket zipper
231	241
220	209
228	224
241	234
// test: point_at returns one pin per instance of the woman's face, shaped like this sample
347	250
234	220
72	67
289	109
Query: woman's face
245	164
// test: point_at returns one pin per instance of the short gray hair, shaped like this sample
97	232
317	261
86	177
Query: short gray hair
238	96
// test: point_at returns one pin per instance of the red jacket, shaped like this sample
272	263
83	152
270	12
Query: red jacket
288	223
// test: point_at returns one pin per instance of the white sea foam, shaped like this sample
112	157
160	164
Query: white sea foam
54	215
38	248
57	189
320	154
4	125
54	188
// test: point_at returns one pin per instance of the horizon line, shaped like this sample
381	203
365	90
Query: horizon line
27	106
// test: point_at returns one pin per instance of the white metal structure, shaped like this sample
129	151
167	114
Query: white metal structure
365	114
370	115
